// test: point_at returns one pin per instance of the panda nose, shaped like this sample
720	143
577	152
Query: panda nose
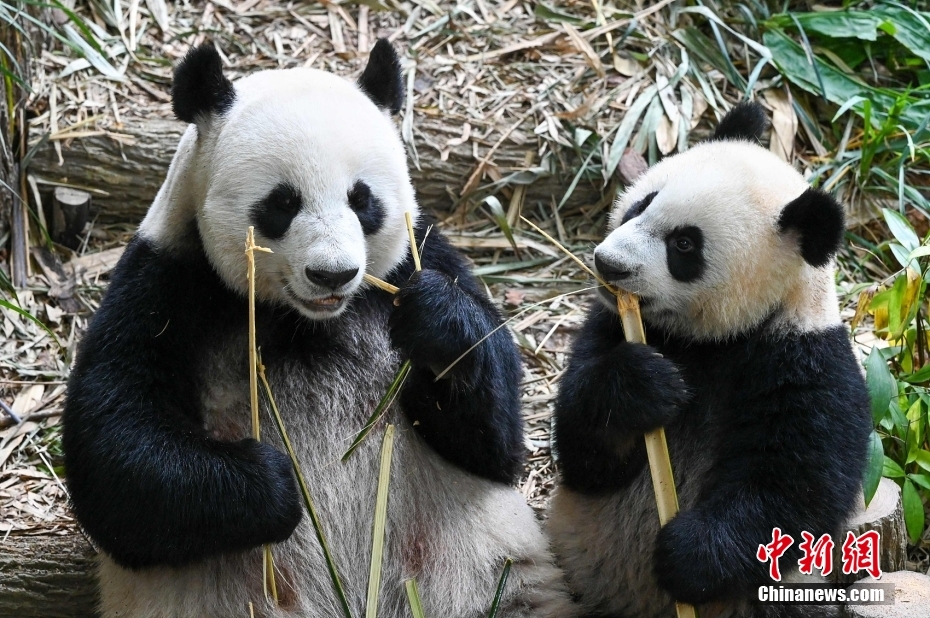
331	279
609	271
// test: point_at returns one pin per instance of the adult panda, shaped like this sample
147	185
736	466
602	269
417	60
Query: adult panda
748	367
161	471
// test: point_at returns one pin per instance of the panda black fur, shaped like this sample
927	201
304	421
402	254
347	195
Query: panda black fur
748	367
161	471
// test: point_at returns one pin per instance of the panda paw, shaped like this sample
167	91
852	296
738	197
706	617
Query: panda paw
654	390
688	562
280	506
434	321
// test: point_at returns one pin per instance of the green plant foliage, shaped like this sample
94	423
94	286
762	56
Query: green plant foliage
898	376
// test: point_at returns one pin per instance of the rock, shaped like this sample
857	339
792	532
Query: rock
885	515
911	597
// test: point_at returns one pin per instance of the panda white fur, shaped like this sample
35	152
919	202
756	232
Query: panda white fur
748	367
162	473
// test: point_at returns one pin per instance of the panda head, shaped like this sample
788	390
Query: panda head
313	161
722	237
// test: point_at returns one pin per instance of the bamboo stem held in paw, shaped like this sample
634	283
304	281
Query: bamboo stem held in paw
660	463
268	581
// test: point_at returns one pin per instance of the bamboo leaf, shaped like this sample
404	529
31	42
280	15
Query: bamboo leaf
413	597
308	501
501	584
626	126
913	511
873	469
500	217
392	390
377	537
31	318
881	384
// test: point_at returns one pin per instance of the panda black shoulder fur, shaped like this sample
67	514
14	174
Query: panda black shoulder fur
749	369
161	471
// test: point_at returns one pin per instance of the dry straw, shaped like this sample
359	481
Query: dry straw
256	371
660	464
268	580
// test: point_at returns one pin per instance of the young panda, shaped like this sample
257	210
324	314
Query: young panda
748	368
163	475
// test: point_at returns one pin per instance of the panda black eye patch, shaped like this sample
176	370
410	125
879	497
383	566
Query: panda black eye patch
638	208
684	253
273	214
368	208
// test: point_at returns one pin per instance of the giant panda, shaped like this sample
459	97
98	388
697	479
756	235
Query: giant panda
162	473
747	366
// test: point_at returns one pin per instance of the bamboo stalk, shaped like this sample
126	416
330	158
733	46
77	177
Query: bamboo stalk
268	581
305	493
660	463
413	241
377	537
379	283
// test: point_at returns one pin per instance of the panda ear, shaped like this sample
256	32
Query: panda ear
746	121
199	88
382	80
818	220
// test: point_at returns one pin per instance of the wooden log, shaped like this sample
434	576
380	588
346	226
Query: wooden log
911	597
70	210
47	577
124	178
885	514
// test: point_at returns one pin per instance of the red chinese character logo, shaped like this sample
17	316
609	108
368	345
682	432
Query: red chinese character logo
773	551
861	553
816	555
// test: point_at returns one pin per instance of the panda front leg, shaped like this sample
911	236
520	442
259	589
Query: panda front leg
471	415
793	460
611	393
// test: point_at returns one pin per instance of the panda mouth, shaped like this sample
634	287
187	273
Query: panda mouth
328	304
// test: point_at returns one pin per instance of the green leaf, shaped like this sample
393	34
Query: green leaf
838	87
901	254
839	24
919	252
923	459
31	318
501	584
921	375
881	384
901	229
626	126
413	597
377	537
550	13
913	511
497	211
921	479
910	28
891	469
398	381
873	468
315	520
